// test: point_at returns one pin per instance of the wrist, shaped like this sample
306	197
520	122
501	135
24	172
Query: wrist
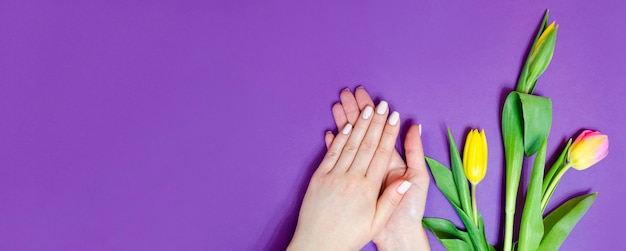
298	243
416	240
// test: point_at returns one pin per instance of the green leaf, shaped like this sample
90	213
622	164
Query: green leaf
522	84
456	244
459	175
531	229
481	227
560	222
447	233
444	229
477	237
558	164
443	179
537	112
514	155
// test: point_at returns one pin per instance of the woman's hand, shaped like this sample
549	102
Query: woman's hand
404	230
341	209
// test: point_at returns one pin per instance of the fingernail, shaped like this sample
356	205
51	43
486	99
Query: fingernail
360	87
367	112
347	129
404	187
346	89
420	129
393	119
382	107
329	132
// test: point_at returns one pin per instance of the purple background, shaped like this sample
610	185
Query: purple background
194	125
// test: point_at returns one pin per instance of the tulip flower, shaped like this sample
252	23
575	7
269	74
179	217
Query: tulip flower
588	149
539	57
475	156
475	163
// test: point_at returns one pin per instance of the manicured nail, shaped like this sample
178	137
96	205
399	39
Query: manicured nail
393	119
382	107
346	129
360	87
346	89
420	129
367	112
404	187
329	132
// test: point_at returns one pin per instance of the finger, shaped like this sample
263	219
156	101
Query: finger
328	139
363	98
339	115
370	143
335	150
350	107
380	163
352	145
416	170
415	154
387	203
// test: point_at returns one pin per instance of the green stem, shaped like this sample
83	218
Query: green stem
474	206
552	186
512	184
508	234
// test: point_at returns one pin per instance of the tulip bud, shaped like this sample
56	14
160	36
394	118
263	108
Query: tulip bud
588	148
475	156
539	57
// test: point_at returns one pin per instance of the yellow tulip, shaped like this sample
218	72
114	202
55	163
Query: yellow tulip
543	38
539	59
475	156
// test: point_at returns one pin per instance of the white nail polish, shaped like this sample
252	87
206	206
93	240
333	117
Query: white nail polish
393	119
367	112
382	107
404	187
346	129
420	129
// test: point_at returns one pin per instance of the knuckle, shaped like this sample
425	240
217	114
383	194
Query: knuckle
332	153
345	186
368	145
350	147
382	152
377	122
389	132
393	200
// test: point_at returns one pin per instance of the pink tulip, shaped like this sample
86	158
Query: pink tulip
588	148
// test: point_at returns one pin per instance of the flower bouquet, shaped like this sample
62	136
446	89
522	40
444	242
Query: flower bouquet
526	122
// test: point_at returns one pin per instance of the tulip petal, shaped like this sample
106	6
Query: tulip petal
522	85
588	149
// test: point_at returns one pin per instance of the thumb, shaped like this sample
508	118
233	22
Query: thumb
416	171
388	202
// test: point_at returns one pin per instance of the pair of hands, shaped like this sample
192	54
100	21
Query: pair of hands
342	209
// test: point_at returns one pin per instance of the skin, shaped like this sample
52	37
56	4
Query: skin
342	209
404	230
